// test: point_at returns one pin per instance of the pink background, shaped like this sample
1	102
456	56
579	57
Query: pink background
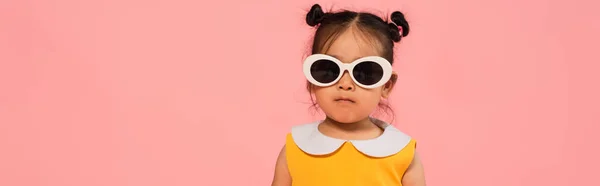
131	92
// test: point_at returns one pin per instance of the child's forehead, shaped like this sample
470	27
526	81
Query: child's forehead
352	45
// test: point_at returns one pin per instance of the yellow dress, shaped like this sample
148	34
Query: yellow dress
314	159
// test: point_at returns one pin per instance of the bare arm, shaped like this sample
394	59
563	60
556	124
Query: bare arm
414	175
282	174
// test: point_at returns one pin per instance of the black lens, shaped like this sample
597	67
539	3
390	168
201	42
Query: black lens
368	73
324	71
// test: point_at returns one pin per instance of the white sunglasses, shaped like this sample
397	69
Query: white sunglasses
368	72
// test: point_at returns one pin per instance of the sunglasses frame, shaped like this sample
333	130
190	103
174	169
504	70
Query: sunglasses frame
385	65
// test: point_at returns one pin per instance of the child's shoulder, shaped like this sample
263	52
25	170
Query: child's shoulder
299	132
304	128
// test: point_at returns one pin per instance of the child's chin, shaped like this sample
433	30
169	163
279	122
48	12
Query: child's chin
347	117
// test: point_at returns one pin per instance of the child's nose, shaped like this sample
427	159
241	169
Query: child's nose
346	83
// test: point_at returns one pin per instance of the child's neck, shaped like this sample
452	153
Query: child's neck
360	130
363	124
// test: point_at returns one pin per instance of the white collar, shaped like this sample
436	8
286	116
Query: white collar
310	140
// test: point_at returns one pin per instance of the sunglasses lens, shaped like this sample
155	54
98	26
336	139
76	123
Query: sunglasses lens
368	73
324	71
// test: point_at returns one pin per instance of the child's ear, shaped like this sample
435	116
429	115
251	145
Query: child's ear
310	87
389	86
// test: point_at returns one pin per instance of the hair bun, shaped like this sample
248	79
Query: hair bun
315	15
398	19
394	32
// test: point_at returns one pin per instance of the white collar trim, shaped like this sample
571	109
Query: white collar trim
310	140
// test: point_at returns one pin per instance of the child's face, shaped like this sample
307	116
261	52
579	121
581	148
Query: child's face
348	47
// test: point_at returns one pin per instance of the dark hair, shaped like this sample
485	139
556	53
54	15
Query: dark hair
331	24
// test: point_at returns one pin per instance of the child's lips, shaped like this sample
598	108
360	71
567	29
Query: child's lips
344	100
